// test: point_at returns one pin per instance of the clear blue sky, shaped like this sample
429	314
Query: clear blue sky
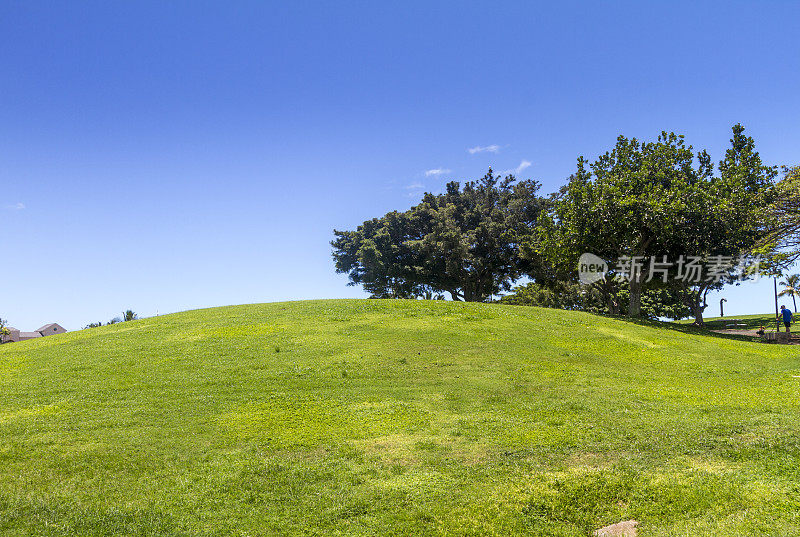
164	156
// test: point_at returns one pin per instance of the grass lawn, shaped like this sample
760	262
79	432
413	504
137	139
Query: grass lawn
750	322
369	417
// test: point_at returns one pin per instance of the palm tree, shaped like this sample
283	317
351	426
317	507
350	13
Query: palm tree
791	287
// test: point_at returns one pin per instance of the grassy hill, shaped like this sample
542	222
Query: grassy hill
396	418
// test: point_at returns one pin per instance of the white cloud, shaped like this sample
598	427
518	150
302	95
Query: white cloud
16	207
414	186
437	171
494	148
516	171
522	165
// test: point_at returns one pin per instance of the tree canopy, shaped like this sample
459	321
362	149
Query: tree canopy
652	211
464	242
784	231
661	204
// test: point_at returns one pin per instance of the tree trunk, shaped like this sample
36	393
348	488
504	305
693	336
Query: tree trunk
795	303
698	314
467	294
699	305
635	304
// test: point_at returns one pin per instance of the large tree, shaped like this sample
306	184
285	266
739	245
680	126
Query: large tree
726	218
641	202
464	242
378	256
625	205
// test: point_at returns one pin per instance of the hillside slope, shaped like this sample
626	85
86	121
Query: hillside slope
366	417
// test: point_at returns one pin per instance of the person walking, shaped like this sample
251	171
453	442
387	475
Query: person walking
786	314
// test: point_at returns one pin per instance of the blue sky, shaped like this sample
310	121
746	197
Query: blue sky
164	156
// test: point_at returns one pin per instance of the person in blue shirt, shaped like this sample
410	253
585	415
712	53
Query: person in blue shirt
787	317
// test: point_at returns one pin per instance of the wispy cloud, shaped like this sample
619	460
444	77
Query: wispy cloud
494	148
414	186
522	165
437	171
16	206
516	171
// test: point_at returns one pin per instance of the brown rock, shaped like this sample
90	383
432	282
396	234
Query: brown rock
620	529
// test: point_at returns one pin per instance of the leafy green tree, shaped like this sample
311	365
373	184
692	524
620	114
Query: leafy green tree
791	286
728	217
643	201
379	257
129	315
464	242
626	204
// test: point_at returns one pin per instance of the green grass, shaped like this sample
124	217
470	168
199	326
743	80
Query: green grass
396	418
750	322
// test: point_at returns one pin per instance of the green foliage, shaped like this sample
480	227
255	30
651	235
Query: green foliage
662	303
732	218
791	286
463	242
4	331
559	295
659	199
630	202
453	419
639	200
655	303
127	315
784	231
